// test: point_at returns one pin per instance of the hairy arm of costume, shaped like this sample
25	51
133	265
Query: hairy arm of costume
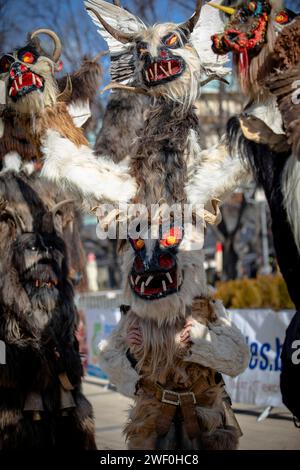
113	360
80	88
217	174
220	345
76	168
85	81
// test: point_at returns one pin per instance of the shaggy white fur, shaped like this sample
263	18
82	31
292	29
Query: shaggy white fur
291	194
220	346
216	175
96	179
119	370
12	162
80	112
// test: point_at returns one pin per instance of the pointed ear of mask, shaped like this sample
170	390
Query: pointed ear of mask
105	16
211	21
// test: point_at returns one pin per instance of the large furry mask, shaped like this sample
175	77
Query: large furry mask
167	60
162	276
250	29
33	264
28	75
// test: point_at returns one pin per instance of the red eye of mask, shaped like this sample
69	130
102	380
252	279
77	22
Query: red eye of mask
172	41
138	244
28	58
282	17
171	238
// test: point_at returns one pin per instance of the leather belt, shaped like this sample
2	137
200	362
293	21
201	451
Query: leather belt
172	401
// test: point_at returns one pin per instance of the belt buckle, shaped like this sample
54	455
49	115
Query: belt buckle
170	402
189	393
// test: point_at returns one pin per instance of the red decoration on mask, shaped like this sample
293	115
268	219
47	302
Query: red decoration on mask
59	66
244	67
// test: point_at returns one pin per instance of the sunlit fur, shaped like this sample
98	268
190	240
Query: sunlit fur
185	88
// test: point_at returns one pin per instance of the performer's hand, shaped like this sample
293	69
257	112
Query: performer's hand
134	336
185	333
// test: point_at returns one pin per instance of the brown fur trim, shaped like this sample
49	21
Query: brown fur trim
18	136
281	84
21	136
287	46
58	119
142	429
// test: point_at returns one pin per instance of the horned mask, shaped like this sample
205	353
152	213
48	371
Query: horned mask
27	75
165	60
249	32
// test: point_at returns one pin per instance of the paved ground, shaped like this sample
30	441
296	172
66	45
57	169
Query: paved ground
276	432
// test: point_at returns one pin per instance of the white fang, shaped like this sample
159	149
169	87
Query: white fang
148	280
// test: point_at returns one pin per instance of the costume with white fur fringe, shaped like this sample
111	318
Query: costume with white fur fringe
168	167
264	136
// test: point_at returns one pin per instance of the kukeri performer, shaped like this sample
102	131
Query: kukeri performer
31	99
184	340
263	37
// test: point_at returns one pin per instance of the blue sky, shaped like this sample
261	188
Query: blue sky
69	19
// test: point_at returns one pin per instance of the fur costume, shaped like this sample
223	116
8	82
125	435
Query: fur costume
41	405
259	135
34	100
265	135
164	281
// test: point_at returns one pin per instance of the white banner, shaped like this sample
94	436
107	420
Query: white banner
99	322
264	331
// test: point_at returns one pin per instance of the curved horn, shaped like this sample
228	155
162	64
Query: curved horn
228	10
57	43
124	38
59	205
48	221
191	23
